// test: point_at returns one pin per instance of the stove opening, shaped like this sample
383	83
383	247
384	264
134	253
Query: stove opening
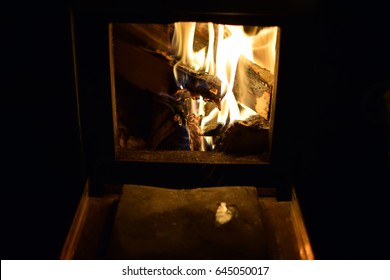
193	91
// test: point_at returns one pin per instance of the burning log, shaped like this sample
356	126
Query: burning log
201	84
257	84
243	137
258	87
153	70
168	131
173	126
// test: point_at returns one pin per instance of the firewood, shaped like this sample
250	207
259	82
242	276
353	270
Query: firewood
201	84
243	137
258	85
154	36
173	125
153	69
142	69
169	130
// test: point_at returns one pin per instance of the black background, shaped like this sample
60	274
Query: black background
340	144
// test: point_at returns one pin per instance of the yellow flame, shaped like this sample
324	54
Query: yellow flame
221	58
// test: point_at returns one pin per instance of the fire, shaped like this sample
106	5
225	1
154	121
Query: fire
220	57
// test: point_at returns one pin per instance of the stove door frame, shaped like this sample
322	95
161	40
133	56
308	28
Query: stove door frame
91	48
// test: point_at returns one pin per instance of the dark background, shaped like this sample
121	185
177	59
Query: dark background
338	147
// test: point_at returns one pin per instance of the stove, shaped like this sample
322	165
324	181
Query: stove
186	106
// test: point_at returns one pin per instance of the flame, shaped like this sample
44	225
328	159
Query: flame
220	57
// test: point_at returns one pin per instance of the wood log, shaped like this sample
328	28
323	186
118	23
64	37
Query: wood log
169	126
145	36
144	70
253	86
151	71
243	137
201	84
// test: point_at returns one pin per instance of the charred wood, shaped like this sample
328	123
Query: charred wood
243	137
168	131
146	36
200	84
174	126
